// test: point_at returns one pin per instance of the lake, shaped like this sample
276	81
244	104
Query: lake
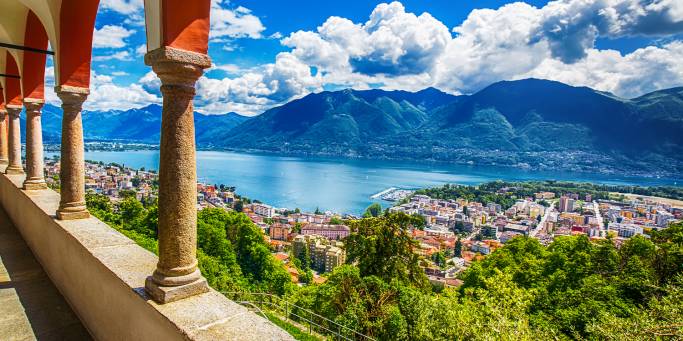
341	185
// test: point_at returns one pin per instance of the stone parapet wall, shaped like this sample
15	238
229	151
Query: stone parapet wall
101	273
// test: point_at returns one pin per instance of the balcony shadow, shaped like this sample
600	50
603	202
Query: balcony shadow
31	308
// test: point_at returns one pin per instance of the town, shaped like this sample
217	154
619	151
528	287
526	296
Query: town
456	233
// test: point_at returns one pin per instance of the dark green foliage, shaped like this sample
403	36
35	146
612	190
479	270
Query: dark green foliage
572	289
384	247
252	253
231	250
505	193
439	258
575	282
374	210
457	251
482	193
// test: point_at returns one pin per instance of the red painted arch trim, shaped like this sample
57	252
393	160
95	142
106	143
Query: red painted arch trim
12	85
77	22
33	75
185	24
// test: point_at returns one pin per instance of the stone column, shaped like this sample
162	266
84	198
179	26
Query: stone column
72	163
4	149
177	275
14	141
35	174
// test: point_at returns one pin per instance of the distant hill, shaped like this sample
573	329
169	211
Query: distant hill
336	122
134	125
530	123
534	114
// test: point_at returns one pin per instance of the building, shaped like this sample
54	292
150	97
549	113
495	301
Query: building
263	210
624	230
516	228
566	204
279	231
332	232
662	218
545	195
325	255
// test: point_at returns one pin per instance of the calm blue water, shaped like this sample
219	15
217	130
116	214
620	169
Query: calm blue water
340	185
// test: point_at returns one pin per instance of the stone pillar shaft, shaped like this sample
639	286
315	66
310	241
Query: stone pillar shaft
14	141
177	275
35	174
4	148
72	163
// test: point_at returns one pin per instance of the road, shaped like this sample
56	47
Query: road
540	225
596	209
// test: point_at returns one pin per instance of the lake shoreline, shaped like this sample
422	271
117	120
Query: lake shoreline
342	185
127	146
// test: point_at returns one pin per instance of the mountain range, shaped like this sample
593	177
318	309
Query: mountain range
532	123
134	125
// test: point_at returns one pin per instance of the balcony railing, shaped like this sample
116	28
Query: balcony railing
304	318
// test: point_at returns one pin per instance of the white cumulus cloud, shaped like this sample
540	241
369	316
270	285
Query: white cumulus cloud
111	36
257	90
233	23
123	6
104	93
120	55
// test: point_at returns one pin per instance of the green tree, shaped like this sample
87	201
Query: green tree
374	210
253	254
126	193
132	212
458	248
439	258
384	247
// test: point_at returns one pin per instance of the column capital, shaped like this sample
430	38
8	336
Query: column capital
13	110
34	100
177	68
33	106
72	97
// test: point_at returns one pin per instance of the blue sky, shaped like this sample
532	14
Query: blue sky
269	52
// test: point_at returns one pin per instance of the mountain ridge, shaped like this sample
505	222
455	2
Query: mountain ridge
133	125
531	123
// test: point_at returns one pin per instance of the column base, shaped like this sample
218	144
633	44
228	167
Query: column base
4	161
14	170
163	294
72	215
35	185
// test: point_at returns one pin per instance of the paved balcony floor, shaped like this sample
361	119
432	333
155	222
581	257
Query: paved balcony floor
31	308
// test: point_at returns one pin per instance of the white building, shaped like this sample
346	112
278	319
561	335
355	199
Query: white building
625	230
263	210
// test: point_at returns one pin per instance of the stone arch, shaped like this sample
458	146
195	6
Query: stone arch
12	30
69	26
178	24
12	85
33	68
